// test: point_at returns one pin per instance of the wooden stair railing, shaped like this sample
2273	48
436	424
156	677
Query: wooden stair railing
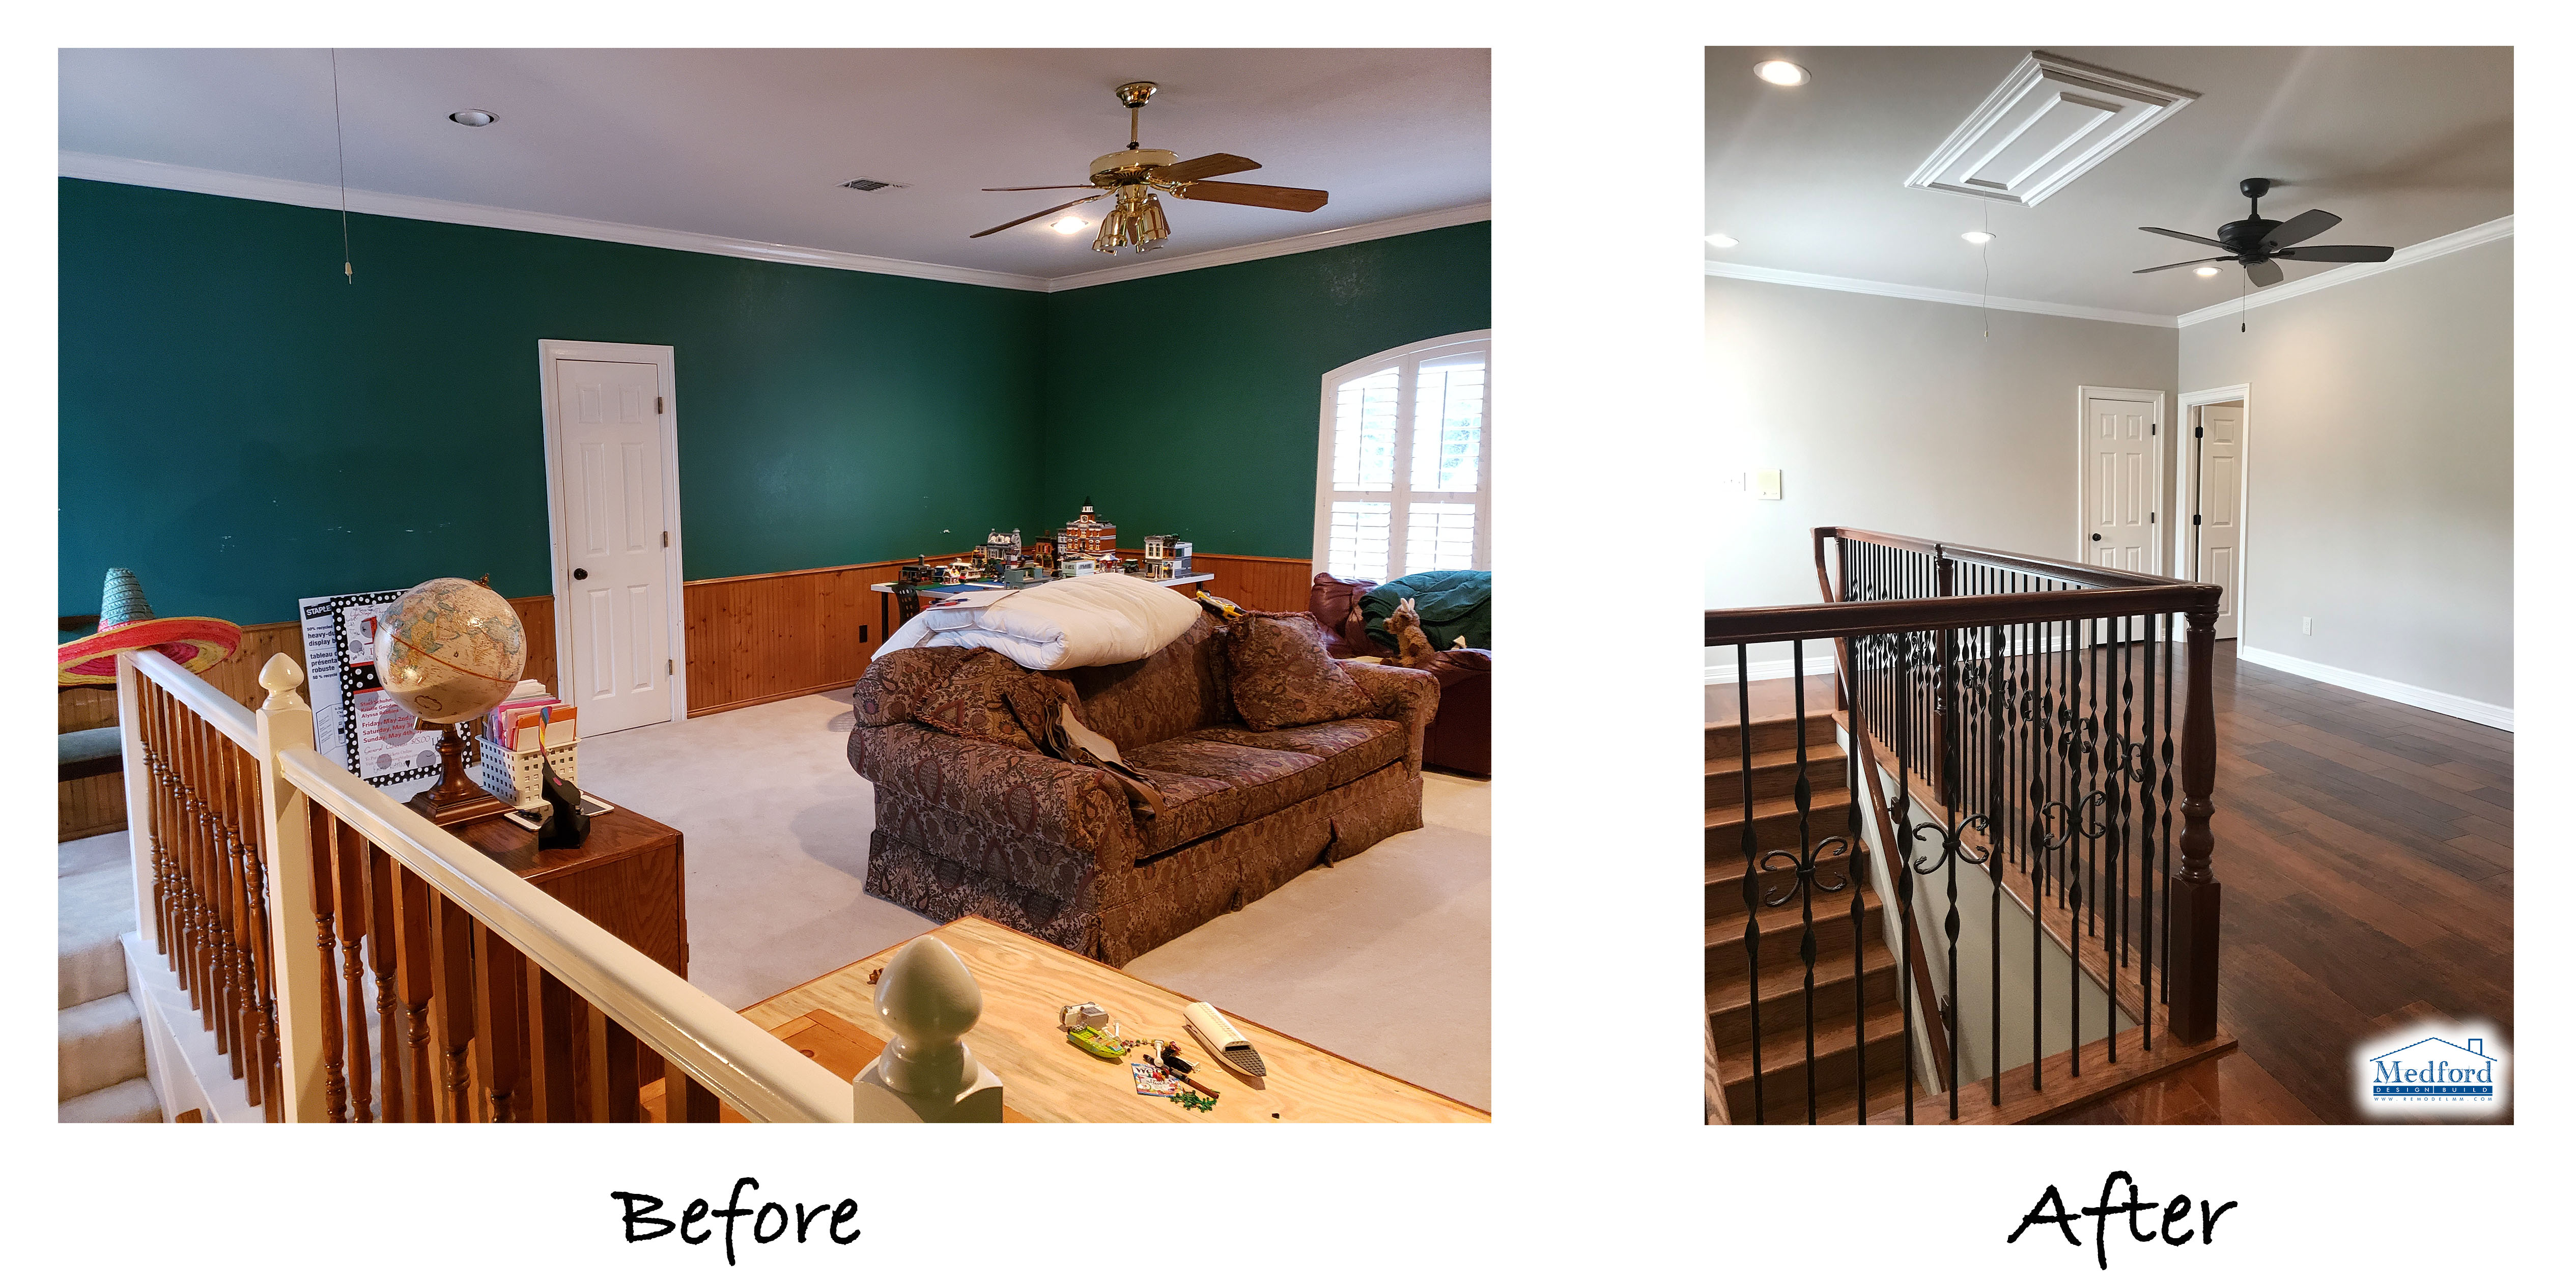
356	963
2015	702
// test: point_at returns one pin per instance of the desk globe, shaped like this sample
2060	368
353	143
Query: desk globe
448	652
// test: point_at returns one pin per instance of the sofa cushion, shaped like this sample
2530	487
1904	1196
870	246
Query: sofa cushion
1350	748
894	684
1210	785
1335	604
1178	689
990	697
1282	678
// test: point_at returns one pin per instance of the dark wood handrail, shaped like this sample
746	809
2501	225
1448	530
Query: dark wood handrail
1853	619
2071	572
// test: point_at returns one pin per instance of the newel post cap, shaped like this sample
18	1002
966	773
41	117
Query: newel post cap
280	676
927	994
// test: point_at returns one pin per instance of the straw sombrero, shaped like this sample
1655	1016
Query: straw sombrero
125	623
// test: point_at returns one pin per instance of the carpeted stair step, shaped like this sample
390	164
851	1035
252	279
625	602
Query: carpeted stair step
93	908
100	1044
129	1102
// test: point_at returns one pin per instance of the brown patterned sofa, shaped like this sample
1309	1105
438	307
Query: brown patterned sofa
974	827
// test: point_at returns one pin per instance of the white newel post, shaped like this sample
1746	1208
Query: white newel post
138	796
285	721
930	1000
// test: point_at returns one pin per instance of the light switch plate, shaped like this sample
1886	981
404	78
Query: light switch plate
1767	484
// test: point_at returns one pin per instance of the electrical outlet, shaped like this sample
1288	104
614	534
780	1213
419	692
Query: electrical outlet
1767	483
2307	624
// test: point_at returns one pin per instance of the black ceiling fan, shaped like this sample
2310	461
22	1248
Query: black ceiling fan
2257	242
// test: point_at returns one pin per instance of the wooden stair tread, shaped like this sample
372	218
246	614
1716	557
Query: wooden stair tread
1816	754
1728	928
1730	868
1833	1039
1771	808
1786	980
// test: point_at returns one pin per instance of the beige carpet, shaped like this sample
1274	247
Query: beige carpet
1386	958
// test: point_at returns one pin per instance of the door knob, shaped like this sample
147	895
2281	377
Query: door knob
2097	538
580	574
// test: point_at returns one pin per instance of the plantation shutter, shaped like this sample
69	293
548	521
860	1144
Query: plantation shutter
1405	470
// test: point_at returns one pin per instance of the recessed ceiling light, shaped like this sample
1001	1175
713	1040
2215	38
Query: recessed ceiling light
1781	73
1976	238
1069	224
1721	240
473	116
2205	269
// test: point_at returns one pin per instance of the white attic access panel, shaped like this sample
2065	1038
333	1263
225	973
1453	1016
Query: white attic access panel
2049	121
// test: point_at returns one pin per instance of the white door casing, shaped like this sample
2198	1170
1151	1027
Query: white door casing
2217	506
613	508
2122	479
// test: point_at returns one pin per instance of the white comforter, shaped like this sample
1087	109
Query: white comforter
1064	624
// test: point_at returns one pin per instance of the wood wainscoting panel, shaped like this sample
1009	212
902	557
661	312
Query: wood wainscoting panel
1258	583
757	638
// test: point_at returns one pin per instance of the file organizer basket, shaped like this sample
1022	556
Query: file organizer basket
512	775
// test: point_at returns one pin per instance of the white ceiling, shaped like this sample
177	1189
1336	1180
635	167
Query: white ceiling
751	144
2405	144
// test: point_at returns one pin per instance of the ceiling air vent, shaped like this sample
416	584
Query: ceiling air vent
871	184
2052	119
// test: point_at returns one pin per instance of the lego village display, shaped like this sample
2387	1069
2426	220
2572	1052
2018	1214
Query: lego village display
1166	558
1086	536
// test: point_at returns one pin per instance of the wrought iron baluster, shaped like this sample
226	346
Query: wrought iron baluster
1805	797
1996	717
1901	814
1752	876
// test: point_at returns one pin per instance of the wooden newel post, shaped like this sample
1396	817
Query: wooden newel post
2193	962
286	722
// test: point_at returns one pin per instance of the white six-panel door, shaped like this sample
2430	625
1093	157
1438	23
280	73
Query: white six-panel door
2219	541
2121	481
610	464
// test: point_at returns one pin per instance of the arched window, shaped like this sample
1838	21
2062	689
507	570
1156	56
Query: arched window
1404	475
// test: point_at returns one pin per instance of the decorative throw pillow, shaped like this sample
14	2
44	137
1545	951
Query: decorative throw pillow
989	697
1282	678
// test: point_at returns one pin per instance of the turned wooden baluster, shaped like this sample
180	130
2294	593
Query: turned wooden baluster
500	993
416	954
183	841
451	1011
147	700
226	849
269	1082
201	961
550	1048
684	1100
325	831
349	895
613	1085
384	958
2192	969
241	992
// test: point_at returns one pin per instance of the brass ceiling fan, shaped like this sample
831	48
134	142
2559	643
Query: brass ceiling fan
1134	175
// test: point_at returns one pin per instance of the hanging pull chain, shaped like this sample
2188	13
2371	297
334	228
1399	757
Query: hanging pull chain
348	266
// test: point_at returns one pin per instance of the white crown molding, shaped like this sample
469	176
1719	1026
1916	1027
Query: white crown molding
284	191
1352	235
2498	716
1963	298
2466	237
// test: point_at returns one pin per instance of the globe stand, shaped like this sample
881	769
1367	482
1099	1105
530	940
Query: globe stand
455	800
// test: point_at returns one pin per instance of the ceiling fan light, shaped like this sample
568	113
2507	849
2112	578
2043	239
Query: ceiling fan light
472	117
1780	72
2205	269
1069	224
1721	240
1976	238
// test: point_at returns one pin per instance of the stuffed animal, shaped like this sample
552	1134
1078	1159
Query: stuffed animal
1413	646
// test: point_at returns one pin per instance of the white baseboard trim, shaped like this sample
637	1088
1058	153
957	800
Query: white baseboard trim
2442	702
1766	670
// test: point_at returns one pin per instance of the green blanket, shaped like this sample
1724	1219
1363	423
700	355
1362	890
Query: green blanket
1453	604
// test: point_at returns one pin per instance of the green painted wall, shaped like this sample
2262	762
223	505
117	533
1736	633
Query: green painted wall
1186	404
243	428
230	407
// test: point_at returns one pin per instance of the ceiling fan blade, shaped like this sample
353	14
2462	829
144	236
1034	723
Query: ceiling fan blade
1040	214
2264	273
2338	253
1056	187
2300	229
2224	258
1208	166
1301	199
2166	231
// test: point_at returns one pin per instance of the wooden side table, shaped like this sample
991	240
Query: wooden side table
628	877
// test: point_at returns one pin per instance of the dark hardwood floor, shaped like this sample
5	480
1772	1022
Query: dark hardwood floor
2365	849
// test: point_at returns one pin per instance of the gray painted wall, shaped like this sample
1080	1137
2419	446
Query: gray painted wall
2379	470
1895	415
